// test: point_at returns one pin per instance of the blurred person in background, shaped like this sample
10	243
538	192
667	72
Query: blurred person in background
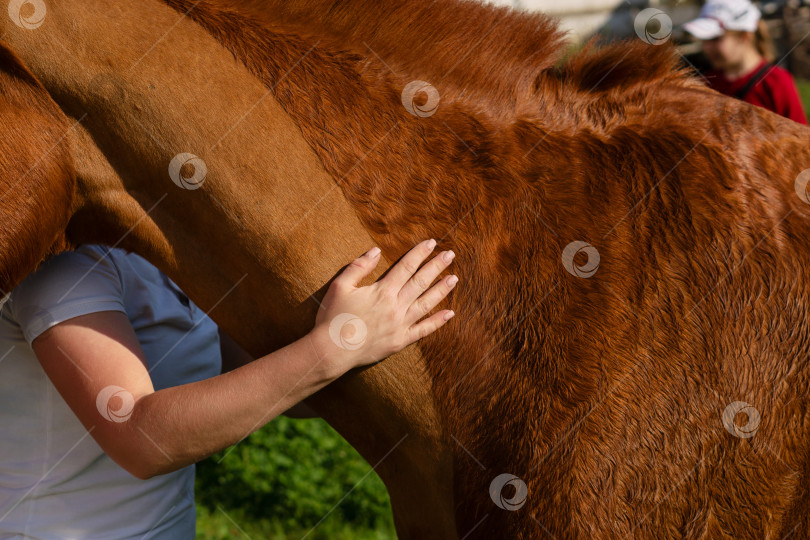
737	44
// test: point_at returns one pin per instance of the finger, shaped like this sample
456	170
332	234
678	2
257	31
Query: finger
407	266
419	283
430	325
360	268
425	303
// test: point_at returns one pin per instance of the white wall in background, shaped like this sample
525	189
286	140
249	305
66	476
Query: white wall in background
583	18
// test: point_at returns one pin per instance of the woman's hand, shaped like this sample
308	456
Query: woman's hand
358	326
168	429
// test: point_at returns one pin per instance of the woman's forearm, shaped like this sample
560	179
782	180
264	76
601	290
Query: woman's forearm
234	356
150	433
175	427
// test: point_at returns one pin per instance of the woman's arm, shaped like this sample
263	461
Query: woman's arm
234	356
97	366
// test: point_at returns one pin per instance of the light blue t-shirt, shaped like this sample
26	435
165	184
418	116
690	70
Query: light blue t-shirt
55	481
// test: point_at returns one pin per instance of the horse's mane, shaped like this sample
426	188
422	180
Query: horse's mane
495	59
489	55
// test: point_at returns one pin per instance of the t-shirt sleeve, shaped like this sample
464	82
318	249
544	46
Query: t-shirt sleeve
67	285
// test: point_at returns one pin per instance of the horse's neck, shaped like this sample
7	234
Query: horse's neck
140	113
266	230
36	172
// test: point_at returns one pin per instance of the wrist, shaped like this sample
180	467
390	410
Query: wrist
330	358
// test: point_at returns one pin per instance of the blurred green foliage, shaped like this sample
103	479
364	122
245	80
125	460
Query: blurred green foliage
285	479
804	94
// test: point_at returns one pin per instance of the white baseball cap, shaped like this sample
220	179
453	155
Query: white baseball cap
717	16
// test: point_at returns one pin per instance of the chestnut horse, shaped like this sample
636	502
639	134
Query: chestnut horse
264	233
595	397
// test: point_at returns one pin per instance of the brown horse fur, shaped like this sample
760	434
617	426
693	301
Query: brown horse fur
465	49
36	172
257	244
604	395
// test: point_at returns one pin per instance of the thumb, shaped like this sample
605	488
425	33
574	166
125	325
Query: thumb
361	267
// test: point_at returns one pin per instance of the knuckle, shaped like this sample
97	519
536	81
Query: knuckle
422	306
359	263
339	285
424	331
388	294
420	282
408	266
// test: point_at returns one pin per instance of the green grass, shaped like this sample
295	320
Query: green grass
290	479
222	525
804	94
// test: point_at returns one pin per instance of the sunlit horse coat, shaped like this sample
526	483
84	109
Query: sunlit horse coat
632	339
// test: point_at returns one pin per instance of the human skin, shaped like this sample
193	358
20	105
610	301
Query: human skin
680	184
175	427
734	53
248	246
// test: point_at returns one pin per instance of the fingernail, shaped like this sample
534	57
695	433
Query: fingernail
452	280
431	244
449	315
449	255
373	252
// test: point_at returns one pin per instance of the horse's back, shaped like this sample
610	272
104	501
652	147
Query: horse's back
701	341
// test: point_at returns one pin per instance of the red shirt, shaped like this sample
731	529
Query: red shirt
775	91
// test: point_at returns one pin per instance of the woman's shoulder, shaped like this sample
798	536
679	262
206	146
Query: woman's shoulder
99	252
81	263
84	255
67	285
128	265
